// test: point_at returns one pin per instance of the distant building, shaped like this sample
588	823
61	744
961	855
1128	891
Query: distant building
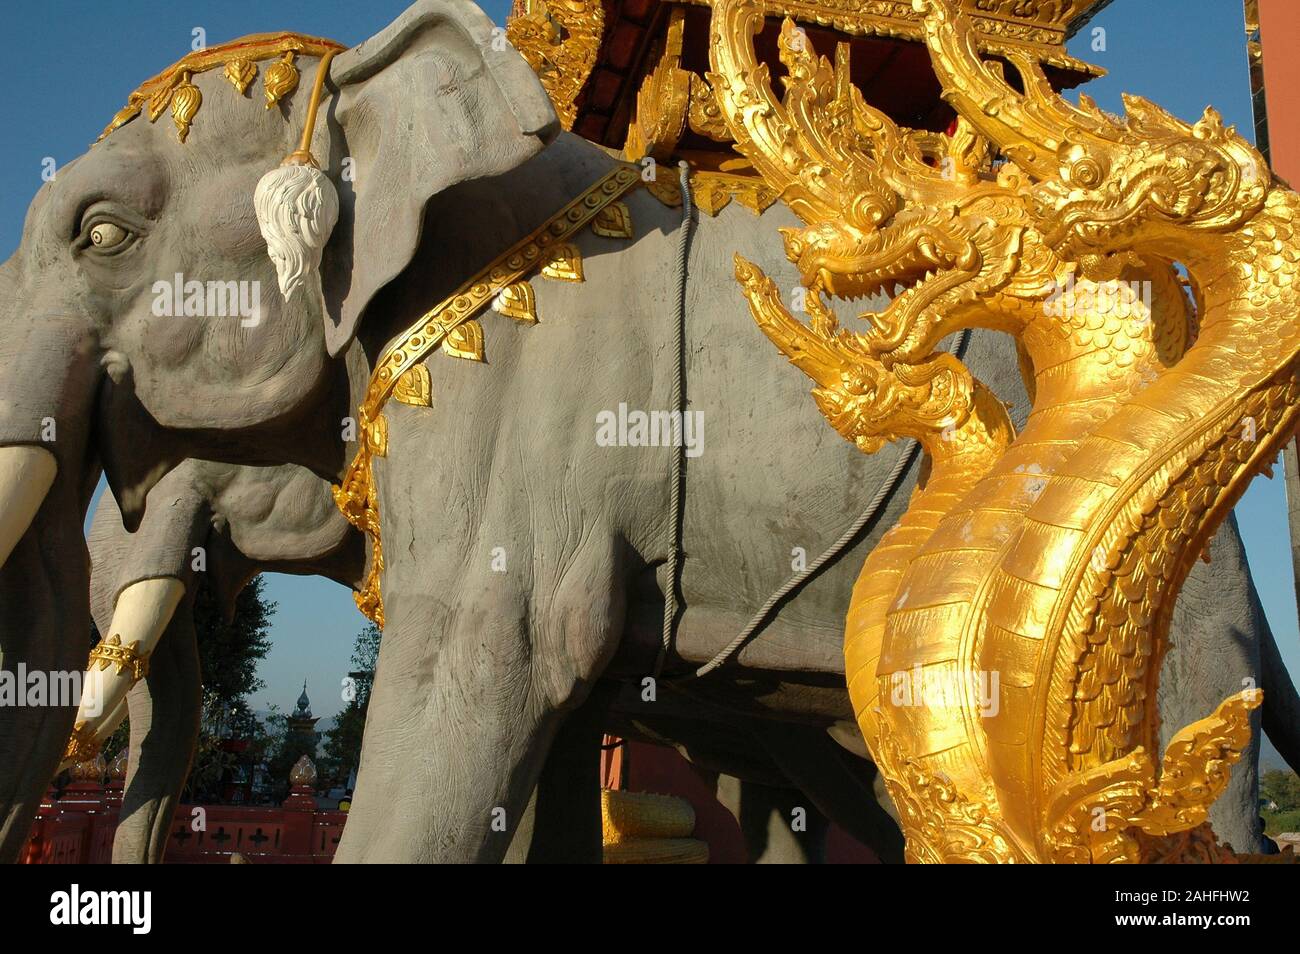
302	724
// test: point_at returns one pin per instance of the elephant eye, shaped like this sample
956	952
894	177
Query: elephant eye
108	230
106	235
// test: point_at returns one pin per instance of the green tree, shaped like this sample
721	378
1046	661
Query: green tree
230	651
1281	788
343	738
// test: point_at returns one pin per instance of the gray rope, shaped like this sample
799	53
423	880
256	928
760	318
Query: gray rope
679	452
904	462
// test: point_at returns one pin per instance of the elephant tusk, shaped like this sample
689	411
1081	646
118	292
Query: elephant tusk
26	474
143	611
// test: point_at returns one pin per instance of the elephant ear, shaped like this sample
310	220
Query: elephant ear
437	98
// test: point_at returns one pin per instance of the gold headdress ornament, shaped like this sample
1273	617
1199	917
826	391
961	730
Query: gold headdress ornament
297	205
238	61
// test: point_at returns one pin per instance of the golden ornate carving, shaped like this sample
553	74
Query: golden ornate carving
414	387
236	59
713	191
614	221
110	652
82	745
563	264
185	104
517	301
560	40
1050	561
563	40
1111	553
356	494
664	99
241	73
465	341
704	116
1036	27
280	80
666	189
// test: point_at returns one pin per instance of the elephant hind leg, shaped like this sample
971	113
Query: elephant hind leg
567	821
468	696
838	783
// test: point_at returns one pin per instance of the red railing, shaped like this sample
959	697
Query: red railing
79	827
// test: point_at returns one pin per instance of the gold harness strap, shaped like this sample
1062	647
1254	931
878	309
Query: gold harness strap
356	495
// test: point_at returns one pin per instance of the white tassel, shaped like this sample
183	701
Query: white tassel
297	208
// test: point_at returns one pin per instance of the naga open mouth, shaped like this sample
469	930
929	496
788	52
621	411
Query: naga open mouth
920	260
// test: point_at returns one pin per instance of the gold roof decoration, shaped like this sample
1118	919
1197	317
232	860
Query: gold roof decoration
593	55
560	40
238	60
1040	27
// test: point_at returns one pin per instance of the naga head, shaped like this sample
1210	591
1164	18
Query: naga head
879	217
1101	184
866	401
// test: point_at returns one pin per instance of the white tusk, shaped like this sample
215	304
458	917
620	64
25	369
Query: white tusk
144	609
26	473
141	616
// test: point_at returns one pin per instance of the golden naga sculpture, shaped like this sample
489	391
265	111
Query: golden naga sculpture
1004	640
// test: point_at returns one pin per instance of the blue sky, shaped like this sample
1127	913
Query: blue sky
76	61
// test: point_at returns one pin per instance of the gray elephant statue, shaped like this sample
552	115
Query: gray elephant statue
226	523
229	523
533	531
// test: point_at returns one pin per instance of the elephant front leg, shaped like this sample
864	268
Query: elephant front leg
459	725
568	821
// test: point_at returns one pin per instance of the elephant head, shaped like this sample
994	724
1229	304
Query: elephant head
144	321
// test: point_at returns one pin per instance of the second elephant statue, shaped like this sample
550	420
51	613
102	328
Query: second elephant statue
224	523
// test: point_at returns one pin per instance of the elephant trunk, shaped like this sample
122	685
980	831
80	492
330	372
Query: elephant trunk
26	474
48	379
44	640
